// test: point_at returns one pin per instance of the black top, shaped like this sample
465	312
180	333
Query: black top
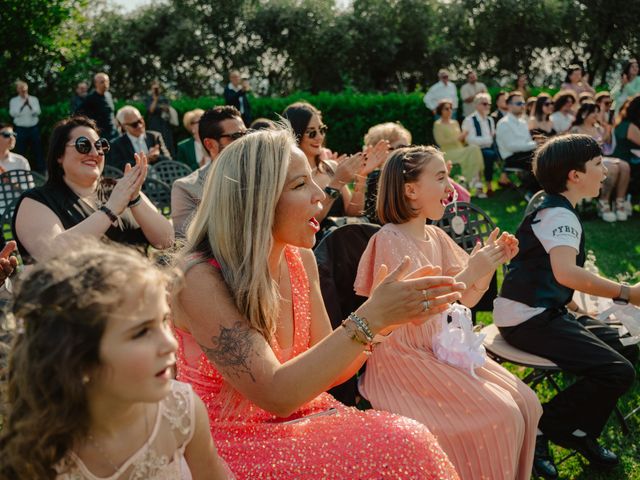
71	210
122	150
543	133
234	98
100	108
529	278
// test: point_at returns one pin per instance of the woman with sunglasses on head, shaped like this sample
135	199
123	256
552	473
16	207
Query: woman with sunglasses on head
332	175
8	159
540	124
77	200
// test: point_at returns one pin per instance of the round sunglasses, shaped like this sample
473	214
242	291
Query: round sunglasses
83	145
313	133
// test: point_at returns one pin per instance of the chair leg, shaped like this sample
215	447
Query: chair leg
623	420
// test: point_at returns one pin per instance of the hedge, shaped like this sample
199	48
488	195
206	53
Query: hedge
348	115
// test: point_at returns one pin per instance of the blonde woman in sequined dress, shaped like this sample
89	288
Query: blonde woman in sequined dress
255	341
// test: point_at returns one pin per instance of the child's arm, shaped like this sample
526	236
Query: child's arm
567	273
201	454
483	263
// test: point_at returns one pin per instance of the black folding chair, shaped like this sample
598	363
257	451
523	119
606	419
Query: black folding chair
168	171
112	172
159	193
472	226
338	255
13	183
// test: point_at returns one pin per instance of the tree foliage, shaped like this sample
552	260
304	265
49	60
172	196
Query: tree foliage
310	45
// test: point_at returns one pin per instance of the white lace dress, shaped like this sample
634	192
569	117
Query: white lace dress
162	456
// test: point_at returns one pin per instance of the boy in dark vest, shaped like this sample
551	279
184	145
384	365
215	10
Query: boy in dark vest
531	310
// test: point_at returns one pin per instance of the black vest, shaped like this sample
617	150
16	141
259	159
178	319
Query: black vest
529	278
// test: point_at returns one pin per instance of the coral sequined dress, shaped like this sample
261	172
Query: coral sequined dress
323	439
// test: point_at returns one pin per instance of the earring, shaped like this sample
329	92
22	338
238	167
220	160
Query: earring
85	379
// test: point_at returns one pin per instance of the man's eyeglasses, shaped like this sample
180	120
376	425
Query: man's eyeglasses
312	133
9	134
83	145
484	103
547	104
135	124
607	103
234	136
518	104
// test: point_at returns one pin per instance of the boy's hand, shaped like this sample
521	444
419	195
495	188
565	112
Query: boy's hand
510	244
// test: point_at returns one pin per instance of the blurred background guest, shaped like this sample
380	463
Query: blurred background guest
235	94
25	110
8	159
577	81
190	150
159	115
80	93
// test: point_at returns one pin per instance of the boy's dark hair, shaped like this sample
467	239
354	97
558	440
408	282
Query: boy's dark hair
554	160
501	93
209	125
4	125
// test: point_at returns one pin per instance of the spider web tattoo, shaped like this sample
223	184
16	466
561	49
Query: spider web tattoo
231	349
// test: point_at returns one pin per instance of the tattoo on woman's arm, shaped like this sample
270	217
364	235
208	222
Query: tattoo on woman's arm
231	349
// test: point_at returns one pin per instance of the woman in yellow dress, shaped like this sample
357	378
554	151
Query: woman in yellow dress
449	137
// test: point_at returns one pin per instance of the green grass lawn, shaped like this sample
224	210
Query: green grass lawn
617	250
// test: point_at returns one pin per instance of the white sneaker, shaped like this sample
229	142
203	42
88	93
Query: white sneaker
628	208
604	210
621	211
481	194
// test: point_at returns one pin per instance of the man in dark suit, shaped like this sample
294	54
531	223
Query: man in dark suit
135	139
235	94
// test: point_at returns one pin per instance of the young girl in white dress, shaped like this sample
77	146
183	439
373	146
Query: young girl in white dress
90	392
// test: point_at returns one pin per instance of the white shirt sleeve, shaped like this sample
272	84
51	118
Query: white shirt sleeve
556	227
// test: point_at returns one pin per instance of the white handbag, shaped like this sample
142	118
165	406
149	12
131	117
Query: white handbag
457	344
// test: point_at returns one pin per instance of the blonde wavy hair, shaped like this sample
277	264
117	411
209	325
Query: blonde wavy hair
390	131
235	219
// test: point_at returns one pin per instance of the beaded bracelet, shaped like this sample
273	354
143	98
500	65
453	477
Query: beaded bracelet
355	333
107	211
363	325
136	201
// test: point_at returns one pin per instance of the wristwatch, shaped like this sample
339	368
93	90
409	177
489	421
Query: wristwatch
623	298
332	192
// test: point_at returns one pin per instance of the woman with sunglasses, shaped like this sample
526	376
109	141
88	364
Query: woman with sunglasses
540	124
77	200
8	159
332	175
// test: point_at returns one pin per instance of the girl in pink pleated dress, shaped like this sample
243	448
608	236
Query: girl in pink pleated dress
486	425
256	343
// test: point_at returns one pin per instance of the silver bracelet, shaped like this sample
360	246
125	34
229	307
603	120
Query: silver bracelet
362	325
